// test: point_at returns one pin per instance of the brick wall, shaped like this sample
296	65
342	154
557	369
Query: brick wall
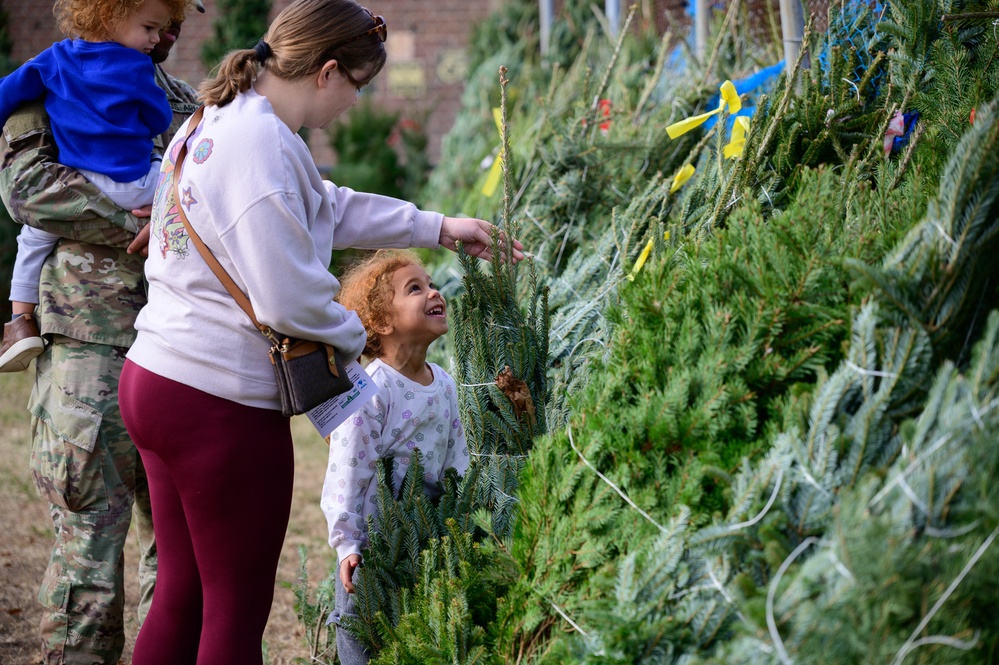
32	26
422	81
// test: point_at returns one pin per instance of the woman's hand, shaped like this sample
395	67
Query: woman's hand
141	242
347	567
475	236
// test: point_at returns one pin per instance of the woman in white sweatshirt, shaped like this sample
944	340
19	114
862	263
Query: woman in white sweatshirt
197	393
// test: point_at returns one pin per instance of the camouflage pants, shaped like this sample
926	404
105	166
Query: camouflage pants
86	467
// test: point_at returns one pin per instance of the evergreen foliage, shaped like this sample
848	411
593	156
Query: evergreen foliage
947	70
712	344
763	403
510	38
836	544
367	158
827	123
934	276
313	611
239	25
425	563
442	619
748	312
916	25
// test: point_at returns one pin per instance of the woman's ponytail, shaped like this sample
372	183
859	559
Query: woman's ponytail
235	74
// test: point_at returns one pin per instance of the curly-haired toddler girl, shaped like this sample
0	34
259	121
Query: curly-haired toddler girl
416	409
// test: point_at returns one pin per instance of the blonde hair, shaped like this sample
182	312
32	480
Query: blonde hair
301	41
366	288
96	20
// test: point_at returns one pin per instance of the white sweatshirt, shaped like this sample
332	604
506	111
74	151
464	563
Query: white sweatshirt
404	417
252	192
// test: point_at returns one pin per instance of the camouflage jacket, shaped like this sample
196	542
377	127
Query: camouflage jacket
91	289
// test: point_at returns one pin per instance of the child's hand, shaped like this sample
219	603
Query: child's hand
347	567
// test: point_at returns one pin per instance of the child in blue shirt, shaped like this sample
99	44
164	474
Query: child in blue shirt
416	409
105	109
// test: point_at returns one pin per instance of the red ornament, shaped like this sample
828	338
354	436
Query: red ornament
971	118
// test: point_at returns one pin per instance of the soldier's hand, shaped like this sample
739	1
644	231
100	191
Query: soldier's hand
141	242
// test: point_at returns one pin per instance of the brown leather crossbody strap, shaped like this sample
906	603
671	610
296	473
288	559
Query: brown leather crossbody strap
213	263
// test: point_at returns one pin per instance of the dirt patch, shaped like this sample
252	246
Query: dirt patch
26	539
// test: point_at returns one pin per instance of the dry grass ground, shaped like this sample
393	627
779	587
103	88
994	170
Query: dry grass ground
26	531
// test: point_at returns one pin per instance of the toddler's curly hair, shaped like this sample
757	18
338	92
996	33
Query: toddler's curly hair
95	19
366	288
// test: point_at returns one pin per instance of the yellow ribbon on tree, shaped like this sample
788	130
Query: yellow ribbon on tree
496	170
682	176
729	97
644	256
737	143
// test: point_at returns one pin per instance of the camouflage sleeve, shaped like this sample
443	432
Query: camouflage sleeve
40	192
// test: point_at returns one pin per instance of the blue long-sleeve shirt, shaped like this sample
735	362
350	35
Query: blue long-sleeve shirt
103	102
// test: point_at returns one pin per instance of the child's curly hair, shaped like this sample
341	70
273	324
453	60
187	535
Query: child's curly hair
95	19
367	289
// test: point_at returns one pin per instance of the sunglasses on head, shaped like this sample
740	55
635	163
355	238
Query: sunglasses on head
380	29
353	81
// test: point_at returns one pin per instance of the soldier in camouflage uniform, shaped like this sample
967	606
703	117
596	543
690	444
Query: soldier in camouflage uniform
82	461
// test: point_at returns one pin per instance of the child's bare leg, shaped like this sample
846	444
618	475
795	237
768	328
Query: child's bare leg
17	308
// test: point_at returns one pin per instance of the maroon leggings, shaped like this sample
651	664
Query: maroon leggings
220	481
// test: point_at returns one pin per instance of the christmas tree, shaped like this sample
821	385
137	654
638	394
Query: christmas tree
739	416
239	25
